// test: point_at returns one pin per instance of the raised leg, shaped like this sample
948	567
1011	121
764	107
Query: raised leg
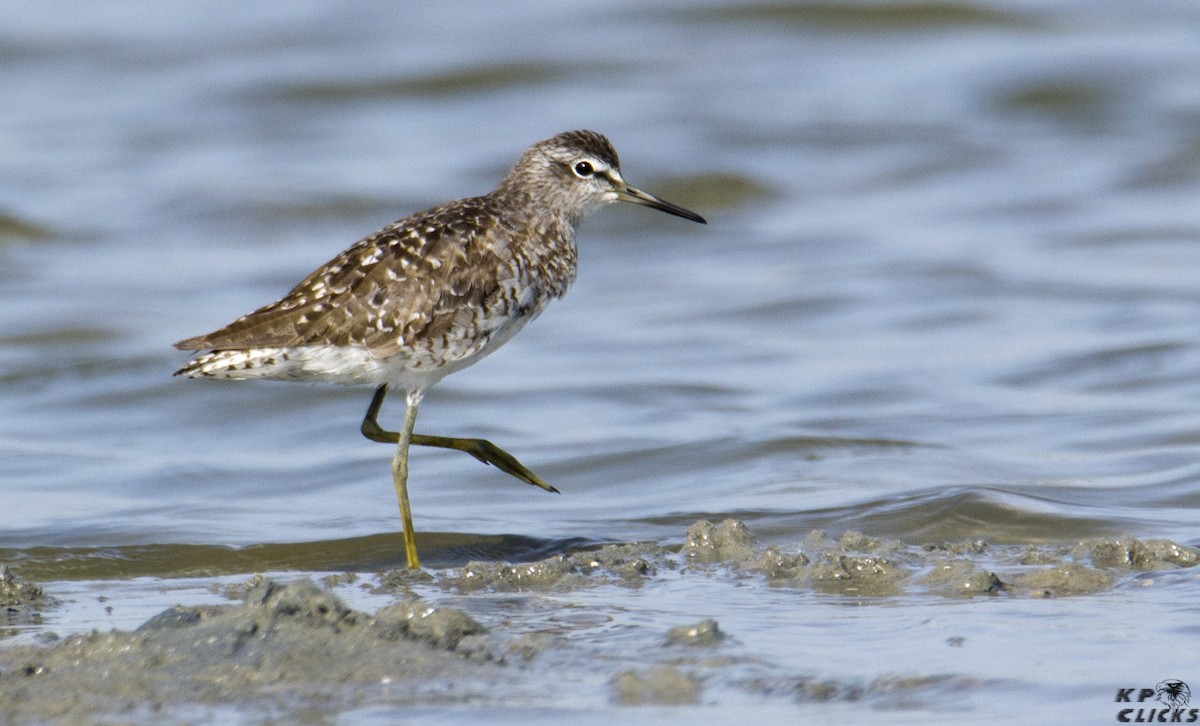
400	475
481	449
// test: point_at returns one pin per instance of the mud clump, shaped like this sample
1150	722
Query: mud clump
22	601
957	578
1129	553
443	628
846	574
729	541
857	565
704	634
660	686
1069	579
854	565
285	644
623	564
15	591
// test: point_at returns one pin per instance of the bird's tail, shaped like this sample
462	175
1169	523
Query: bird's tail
238	364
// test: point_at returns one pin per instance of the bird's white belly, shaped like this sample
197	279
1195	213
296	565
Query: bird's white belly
353	364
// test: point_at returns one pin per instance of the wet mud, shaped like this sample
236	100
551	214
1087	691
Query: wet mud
295	651
22	601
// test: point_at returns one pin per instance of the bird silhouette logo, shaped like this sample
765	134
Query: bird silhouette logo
1173	693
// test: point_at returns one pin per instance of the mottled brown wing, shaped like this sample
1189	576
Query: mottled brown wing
409	282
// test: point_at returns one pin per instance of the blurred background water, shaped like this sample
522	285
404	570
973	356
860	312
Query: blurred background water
948	290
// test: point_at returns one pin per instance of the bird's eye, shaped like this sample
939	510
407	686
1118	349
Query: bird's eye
583	169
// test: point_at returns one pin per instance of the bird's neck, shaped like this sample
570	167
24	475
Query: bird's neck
541	245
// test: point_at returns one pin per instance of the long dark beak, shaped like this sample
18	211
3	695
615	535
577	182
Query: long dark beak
637	196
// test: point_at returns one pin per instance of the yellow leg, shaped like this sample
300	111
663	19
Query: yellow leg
481	449
400	476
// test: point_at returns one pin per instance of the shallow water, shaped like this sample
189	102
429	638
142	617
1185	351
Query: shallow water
947	294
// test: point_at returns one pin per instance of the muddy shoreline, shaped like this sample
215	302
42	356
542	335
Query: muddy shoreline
286	647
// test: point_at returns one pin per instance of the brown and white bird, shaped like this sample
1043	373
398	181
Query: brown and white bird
431	294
